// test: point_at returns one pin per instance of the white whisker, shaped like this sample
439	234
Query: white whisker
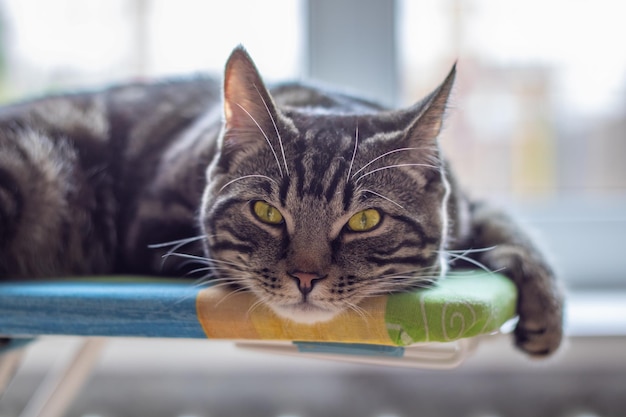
188	256
474	262
404	281
246	177
231	293
280	140
210	269
360	311
212	285
382	156
468	251
203	282
267	139
223	262
394	166
255	305
417	273
188	262
383	197
206	268
176	242
356	143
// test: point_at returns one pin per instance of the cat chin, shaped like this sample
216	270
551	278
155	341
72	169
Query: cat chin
304	313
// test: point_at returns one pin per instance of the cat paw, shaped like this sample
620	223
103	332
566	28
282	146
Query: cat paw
539	331
539	338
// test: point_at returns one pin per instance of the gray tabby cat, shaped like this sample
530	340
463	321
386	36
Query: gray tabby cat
311	199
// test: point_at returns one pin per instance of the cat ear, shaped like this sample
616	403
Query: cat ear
429	113
249	110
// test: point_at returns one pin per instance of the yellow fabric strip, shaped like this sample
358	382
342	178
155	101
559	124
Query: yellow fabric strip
225	315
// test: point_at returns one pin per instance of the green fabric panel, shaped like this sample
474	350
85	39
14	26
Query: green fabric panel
464	304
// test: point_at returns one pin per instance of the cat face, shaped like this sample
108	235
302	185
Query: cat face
316	210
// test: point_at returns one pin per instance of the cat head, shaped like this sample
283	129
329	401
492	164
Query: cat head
316	207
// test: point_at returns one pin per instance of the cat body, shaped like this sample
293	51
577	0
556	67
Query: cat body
313	200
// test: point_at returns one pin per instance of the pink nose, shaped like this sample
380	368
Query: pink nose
305	281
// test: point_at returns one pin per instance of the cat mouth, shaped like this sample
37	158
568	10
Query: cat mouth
304	312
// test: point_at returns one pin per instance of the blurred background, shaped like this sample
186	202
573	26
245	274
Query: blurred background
537	123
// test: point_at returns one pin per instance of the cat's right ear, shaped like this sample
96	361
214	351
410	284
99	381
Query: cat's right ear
429	113
249	110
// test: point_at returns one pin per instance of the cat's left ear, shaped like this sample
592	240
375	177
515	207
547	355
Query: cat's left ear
249	110
428	114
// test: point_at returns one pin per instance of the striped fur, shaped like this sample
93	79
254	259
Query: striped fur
162	178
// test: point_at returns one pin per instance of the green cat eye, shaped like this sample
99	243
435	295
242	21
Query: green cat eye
267	213
364	220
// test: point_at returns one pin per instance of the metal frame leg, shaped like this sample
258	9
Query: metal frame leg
9	363
61	385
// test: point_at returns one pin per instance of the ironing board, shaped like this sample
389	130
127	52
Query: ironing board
435	327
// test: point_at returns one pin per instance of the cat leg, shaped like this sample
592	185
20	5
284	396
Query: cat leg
47	206
32	203
540	303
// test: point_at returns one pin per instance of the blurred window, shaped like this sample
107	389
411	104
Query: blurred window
539	116
60	44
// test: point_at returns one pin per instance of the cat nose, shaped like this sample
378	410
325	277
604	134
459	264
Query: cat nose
305	280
